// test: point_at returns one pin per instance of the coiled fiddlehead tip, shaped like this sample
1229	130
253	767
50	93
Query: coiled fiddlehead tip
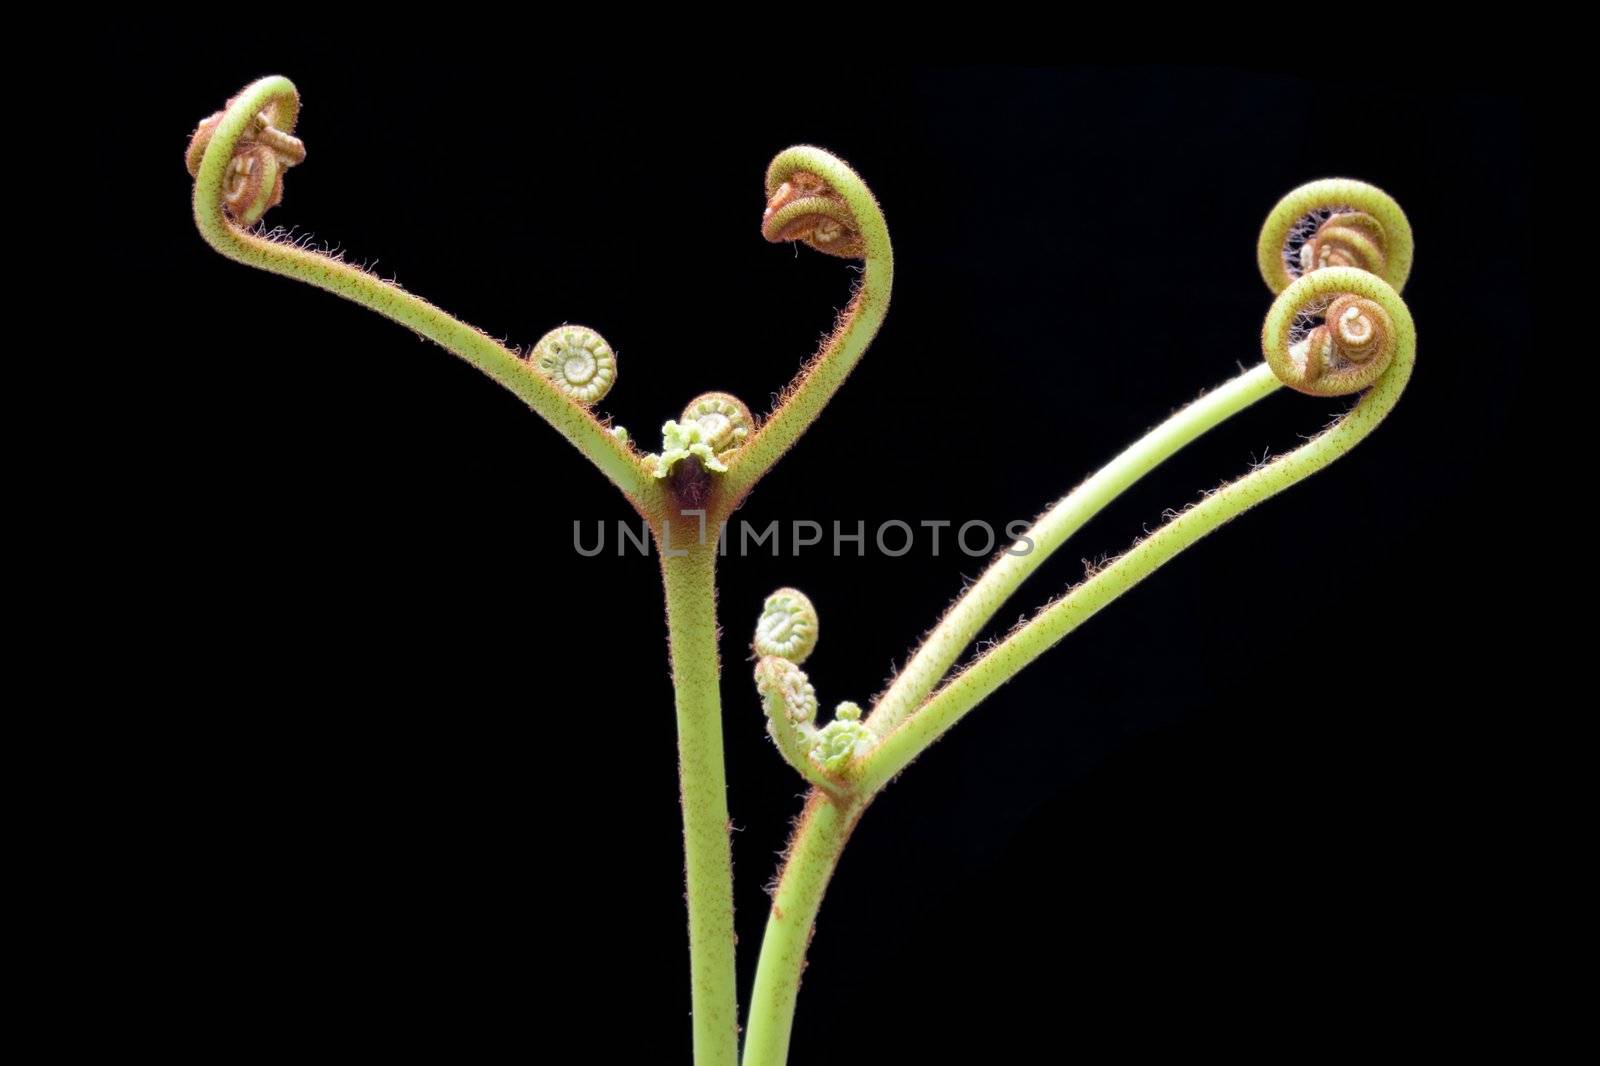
790	704
1336	222
802	204
788	626
1336	331
254	132
785	690
579	362
822	756
725	422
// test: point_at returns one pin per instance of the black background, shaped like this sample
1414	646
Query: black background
430	789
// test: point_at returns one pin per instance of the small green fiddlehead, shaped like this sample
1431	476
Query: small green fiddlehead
788	626
712	428
843	740
786	634
791	706
725	422
1335	222
578	361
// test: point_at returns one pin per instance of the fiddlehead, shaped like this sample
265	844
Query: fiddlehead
790	704
1335	222
713	426
821	755
579	362
263	148
843	740
814	198
803	207
786	634
237	158
725	422
788	626
1328	345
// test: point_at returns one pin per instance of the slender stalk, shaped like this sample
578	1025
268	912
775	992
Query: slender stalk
980	602
708	862
814	852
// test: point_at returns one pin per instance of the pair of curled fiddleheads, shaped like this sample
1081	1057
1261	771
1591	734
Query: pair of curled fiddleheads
1321	294
1318	341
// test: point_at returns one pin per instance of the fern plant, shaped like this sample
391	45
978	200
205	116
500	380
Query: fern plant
1335	253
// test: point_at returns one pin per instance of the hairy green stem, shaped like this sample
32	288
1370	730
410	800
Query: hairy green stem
277	96
980	602
708	862
814	851
1005	660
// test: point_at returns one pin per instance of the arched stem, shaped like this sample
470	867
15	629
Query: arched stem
969	614
1001	663
277	96
822	376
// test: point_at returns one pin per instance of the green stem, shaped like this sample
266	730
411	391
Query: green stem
574	422
980	602
814	852
708	862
